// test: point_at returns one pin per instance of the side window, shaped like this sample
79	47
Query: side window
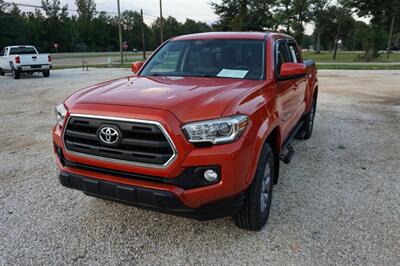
2	52
281	56
294	53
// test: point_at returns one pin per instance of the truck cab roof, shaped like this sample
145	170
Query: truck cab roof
20	46
254	35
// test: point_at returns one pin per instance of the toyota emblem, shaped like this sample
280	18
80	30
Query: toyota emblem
109	135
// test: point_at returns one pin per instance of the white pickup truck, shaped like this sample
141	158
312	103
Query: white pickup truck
24	59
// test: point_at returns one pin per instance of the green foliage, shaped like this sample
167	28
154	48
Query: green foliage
381	13
325	15
244	15
90	31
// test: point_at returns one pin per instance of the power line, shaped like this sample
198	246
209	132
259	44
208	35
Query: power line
69	10
114	13
35	6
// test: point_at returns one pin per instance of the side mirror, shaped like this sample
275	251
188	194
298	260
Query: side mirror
136	66
292	71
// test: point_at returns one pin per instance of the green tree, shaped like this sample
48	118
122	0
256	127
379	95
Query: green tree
171	28
3	6
191	26
106	32
89	31
292	15
244	15
381	13
86	12
326	31
86	9
54	25
53	9
228	12
318	13
13	30
131	23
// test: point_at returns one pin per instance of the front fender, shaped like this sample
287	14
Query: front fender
266	127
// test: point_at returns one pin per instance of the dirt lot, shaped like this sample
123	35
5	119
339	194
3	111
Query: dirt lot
338	202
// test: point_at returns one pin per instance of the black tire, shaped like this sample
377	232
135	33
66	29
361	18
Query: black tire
255	211
15	73
306	130
2	73
46	73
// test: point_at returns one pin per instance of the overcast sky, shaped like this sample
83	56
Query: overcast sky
180	9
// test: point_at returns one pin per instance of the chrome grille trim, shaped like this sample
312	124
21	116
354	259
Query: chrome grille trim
101	158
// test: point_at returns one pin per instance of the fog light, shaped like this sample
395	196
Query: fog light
210	175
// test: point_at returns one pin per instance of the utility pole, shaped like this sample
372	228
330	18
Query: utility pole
161	23
143	41
390	37
120	34
337	36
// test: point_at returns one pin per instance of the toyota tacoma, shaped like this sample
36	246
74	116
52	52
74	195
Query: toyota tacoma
198	131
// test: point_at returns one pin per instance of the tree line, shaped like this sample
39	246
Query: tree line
87	30
90	30
331	19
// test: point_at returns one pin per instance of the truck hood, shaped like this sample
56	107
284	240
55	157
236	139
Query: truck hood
188	98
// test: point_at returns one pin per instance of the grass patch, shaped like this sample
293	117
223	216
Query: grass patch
346	57
359	67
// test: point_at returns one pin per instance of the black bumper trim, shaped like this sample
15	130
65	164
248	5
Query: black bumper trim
159	200
190	178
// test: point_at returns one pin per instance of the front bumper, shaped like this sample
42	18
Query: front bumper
164	201
234	161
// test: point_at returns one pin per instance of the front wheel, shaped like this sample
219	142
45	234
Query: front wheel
2	73
46	73
255	211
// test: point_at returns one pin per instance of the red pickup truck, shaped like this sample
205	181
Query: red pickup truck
199	131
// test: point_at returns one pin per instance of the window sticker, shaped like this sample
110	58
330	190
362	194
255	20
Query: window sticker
232	73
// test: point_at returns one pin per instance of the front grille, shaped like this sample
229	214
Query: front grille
140	142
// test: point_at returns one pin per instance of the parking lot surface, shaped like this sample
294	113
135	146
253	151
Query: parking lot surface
337	202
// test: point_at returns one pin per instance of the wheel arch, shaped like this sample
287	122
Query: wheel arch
269	132
274	139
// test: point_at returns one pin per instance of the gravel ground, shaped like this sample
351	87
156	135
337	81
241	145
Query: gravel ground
337	202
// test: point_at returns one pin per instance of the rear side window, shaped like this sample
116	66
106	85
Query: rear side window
23	50
294	53
2	52
281	56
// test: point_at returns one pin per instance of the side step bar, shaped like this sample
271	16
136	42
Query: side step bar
287	151
286	158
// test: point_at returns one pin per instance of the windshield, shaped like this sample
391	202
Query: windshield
225	58
23	50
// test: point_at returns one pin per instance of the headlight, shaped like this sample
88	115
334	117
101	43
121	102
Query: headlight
219	131
61	112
